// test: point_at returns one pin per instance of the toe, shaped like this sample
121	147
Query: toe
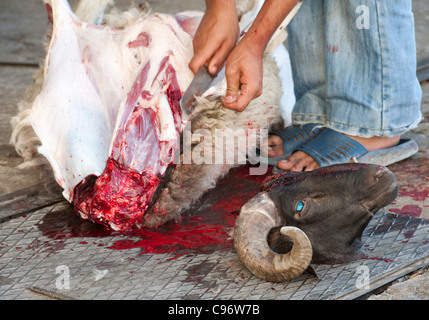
302	163
298	161
313	165
285	165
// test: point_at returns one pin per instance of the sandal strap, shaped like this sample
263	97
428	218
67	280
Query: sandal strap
293	137
332	147
297	135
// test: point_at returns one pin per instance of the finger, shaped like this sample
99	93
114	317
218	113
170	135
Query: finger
233	85
219	58
248	92
196	62
230	101
200	58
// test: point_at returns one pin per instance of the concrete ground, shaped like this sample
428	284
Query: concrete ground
22	34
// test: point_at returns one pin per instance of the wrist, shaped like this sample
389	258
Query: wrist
269	18
256	40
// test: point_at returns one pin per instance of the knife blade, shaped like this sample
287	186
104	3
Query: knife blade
198	86
203	79
201	82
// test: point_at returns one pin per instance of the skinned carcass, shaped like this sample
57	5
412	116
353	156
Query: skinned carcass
316	216
106	112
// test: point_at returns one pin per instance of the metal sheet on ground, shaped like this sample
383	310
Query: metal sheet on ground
53	252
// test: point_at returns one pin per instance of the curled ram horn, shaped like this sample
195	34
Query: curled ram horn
257	218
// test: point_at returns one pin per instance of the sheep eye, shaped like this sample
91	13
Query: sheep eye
299	206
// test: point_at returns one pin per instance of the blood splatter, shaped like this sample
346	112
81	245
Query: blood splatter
204	228
406	225
408	210
413	181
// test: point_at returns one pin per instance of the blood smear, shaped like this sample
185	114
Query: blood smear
204	228
188	235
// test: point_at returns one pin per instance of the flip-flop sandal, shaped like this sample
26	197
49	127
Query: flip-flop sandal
332	147
293	137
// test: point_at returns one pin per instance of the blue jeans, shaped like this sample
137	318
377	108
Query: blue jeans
354	66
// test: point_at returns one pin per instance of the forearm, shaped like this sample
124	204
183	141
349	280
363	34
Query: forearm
216	38
220	4
269	18
216	35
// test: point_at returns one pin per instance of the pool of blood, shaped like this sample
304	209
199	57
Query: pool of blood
205	227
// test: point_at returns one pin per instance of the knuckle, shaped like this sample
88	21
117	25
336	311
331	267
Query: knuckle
230	72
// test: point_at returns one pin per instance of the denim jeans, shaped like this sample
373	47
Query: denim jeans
354	66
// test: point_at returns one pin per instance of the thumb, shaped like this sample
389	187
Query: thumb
231	95
233	85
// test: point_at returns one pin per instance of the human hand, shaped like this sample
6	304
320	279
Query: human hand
214	45
243	75
215	41
216	36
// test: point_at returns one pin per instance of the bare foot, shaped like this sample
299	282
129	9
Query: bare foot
300	161
275	146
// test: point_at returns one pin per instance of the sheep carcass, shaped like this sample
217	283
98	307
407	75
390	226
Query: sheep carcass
108	114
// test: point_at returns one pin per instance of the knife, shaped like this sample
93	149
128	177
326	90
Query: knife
201	82
198	86
203	79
